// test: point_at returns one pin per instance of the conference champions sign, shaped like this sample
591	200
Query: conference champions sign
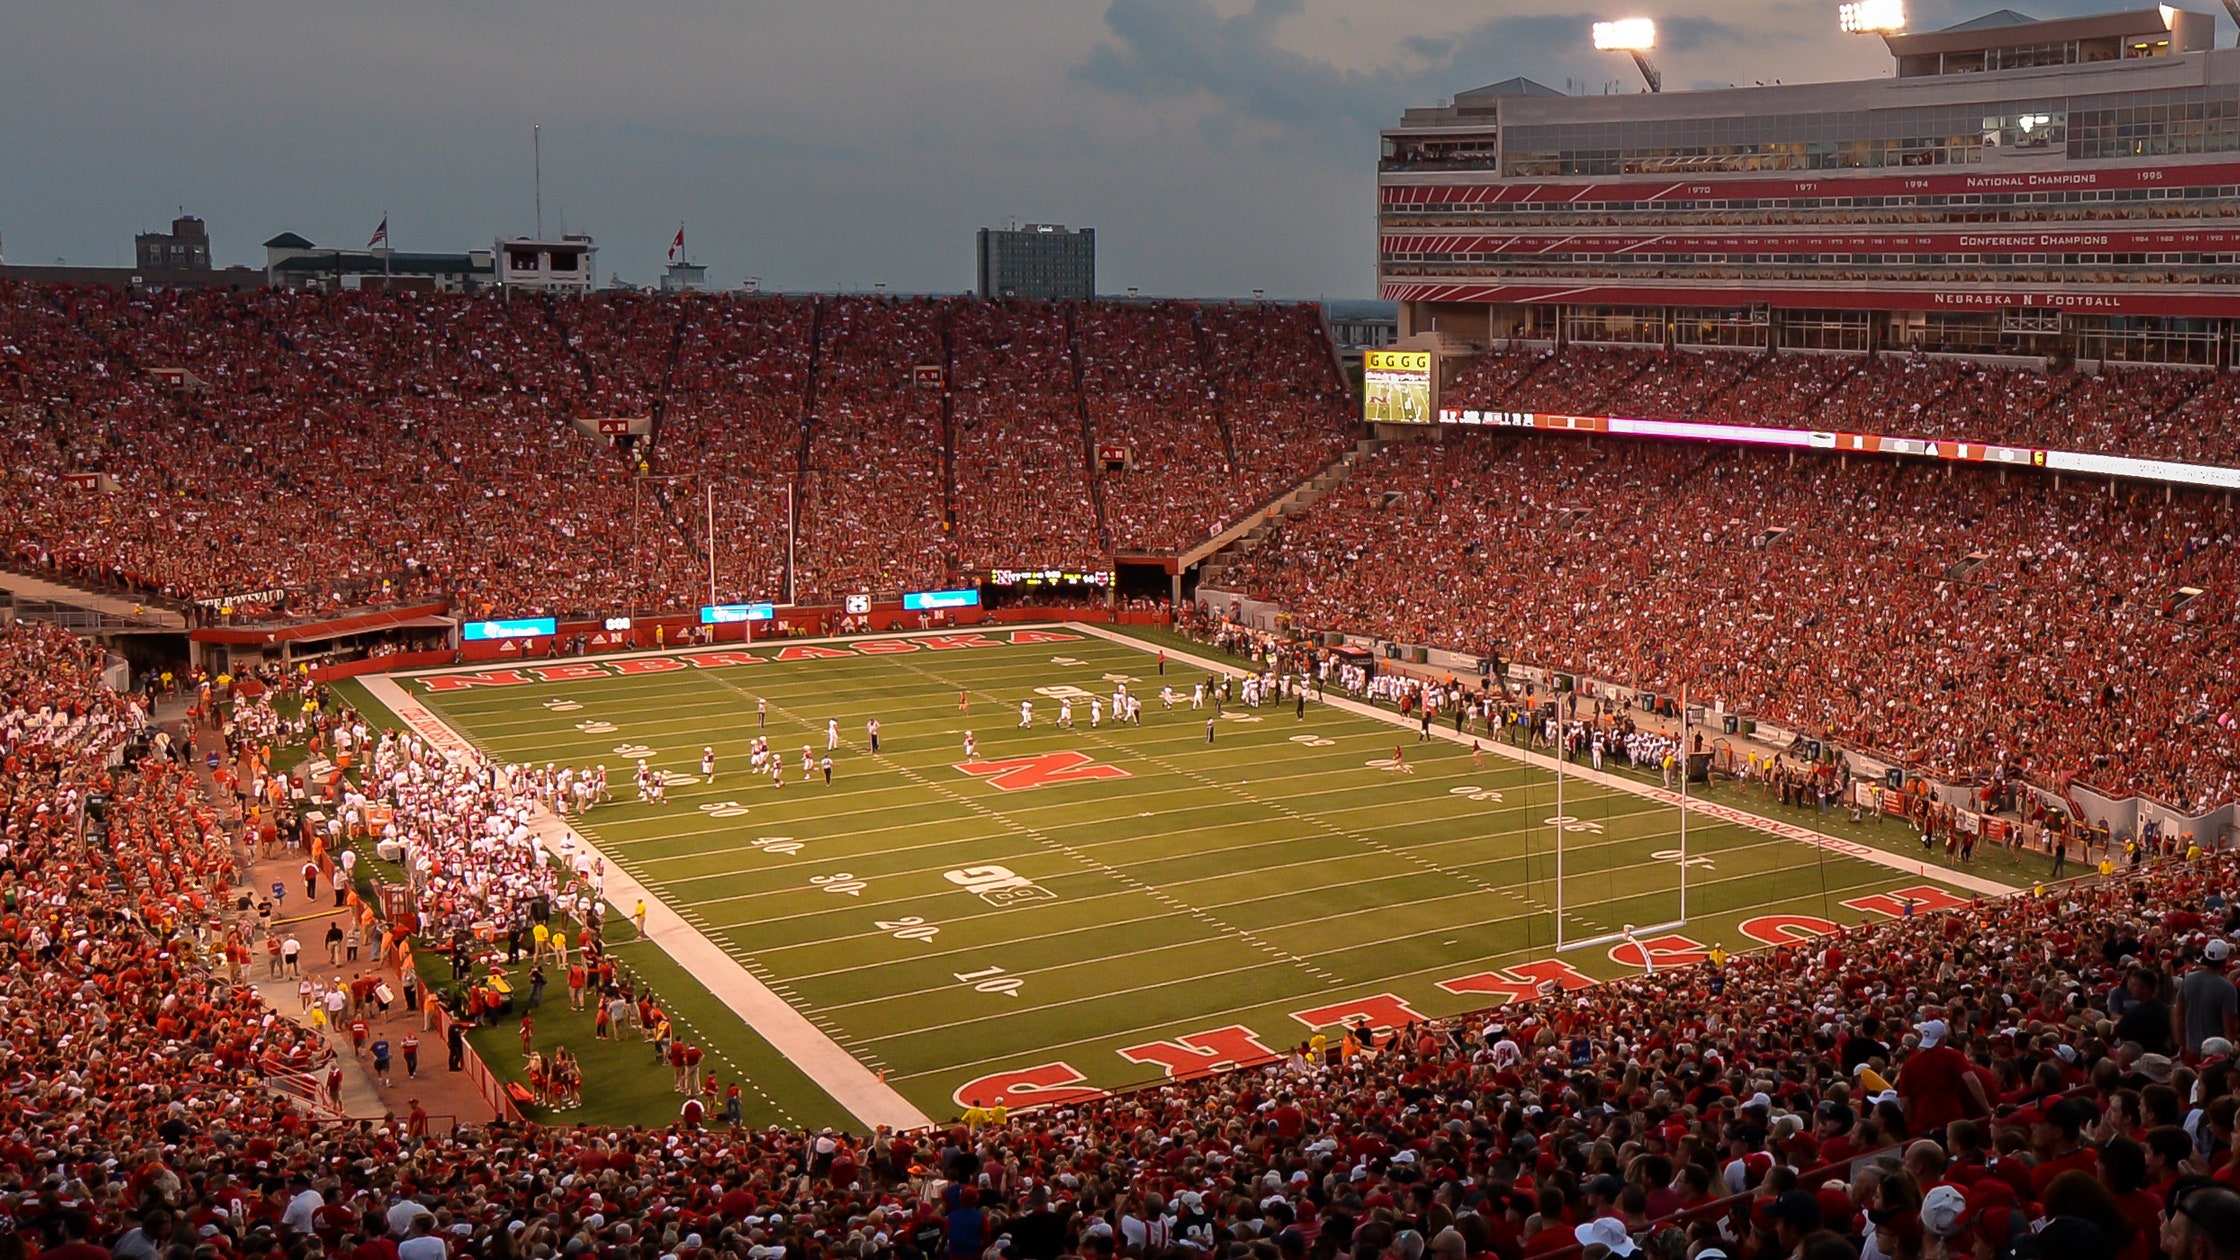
1396	387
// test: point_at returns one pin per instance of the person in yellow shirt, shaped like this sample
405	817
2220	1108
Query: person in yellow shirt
975	1115
540	939
1718	955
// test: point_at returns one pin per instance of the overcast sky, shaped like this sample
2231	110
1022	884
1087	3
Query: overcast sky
1218	146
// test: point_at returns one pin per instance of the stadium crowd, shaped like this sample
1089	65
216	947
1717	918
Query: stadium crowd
1963	626
1147	390
1025	492
2142	412
286	453
2046	1075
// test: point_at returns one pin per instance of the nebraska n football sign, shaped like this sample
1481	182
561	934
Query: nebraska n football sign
1017	774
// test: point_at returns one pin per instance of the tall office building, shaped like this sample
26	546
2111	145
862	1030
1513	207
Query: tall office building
1039	260
186	247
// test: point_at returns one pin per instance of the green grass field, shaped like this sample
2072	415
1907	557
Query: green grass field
1044	920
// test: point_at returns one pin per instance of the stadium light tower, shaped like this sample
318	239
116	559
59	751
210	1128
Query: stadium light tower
1872	17
1635	36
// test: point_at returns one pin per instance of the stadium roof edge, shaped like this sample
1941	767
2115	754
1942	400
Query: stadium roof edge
1990	21
2005	28
1516	86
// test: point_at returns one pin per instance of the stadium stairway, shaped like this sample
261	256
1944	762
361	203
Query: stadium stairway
1242	538
1219	392
81	605
1088	427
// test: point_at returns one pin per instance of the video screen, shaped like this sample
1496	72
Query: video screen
1396	386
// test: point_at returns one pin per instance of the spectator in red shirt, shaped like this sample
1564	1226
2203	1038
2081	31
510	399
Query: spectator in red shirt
2057	1138
1934	1085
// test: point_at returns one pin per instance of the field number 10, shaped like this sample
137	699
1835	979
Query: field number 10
990	980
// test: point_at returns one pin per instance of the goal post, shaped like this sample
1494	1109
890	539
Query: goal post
1631	932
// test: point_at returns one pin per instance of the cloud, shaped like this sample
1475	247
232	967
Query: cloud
1186	50
1183	48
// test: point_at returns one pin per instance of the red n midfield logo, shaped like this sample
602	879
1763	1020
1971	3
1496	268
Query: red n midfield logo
1015	774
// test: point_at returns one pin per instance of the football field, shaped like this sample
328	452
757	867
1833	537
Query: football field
1091	907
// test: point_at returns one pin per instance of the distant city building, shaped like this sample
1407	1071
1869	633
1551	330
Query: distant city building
186	247
179	259
684	277
1040	260
557	266
1358	325
291	262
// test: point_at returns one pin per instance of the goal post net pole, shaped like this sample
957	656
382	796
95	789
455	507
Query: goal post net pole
1682	759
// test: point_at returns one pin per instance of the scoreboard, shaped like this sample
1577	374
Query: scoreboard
1396	387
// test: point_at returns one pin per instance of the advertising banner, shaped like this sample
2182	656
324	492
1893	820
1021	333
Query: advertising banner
515	628
919	601
731	614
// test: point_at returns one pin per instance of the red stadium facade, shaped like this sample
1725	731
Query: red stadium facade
2055	188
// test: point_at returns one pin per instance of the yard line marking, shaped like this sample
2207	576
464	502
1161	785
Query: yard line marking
1723	813
1066	808
1611	842
1406	854
691	649
1250	759
984	810
1010	1012
1126	1036
854	1087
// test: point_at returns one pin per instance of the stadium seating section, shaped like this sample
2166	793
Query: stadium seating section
1934	1083
2141	412
361	447
1956	622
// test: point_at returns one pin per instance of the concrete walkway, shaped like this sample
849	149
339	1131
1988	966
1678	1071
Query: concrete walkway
37	590
1616	782
442	1093
851	1084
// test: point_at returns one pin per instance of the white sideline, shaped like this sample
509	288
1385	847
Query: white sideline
1723	813
870	1100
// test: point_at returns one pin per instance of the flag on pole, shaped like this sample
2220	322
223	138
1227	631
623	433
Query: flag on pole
676	247
380	234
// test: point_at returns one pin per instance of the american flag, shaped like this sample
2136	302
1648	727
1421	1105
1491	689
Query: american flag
380	234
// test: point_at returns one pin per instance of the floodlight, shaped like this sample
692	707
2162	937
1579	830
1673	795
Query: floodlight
1625	35
1872	17
1635	37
